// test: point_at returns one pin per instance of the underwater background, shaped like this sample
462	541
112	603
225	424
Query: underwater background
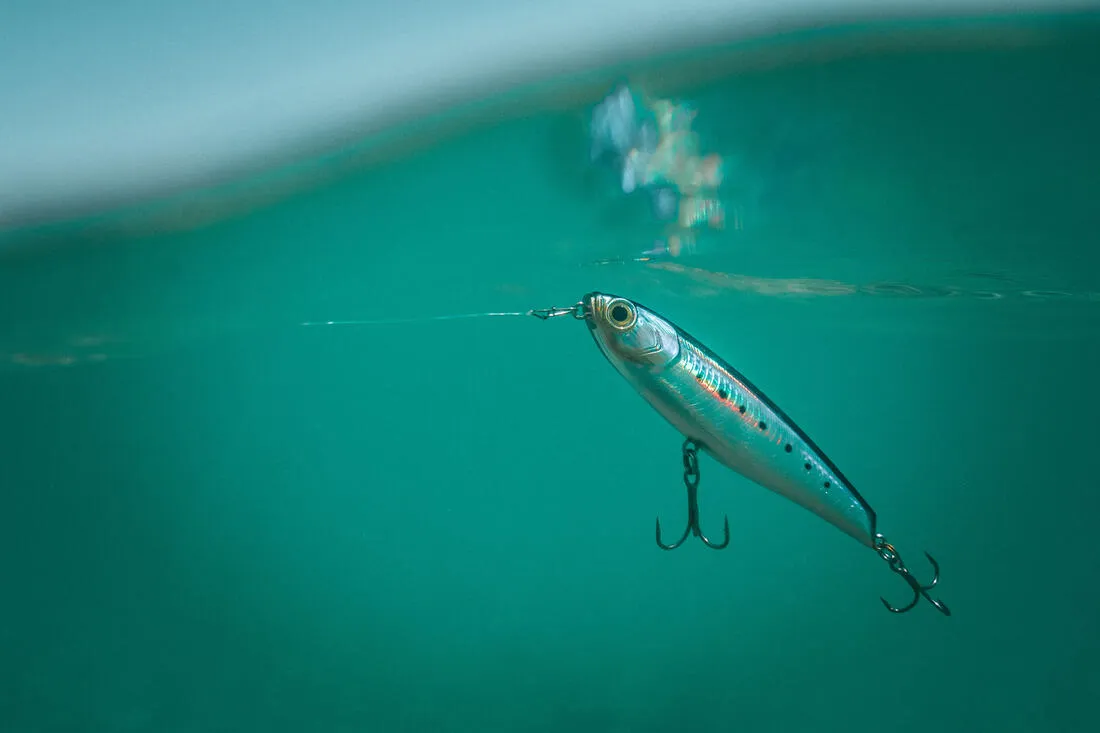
218	519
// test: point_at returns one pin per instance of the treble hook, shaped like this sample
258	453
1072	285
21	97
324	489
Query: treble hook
890	554
691	481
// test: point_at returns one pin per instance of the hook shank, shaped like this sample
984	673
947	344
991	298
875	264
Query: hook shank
691	483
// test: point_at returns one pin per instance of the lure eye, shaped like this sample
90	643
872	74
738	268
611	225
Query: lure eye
621	314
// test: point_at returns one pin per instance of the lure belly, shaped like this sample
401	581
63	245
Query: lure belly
714	405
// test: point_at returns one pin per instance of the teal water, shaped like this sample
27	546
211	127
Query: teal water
220	520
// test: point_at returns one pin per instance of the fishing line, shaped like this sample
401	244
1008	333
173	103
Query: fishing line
421	319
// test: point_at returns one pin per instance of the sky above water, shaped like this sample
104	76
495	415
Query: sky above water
114	99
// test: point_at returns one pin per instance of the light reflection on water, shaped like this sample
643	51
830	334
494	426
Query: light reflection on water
95	347
716	283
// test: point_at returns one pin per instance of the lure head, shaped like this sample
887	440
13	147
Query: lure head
630	335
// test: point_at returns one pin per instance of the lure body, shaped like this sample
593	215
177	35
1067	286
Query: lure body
711	403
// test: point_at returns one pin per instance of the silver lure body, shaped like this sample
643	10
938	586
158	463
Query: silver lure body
711	403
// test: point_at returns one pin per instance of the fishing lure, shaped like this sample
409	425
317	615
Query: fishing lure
719	411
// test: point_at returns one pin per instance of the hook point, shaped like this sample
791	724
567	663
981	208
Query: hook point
919	590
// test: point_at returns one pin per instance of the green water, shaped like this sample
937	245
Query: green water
219	520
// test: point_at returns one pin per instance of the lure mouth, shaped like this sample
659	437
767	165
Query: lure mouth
594	312
590	304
